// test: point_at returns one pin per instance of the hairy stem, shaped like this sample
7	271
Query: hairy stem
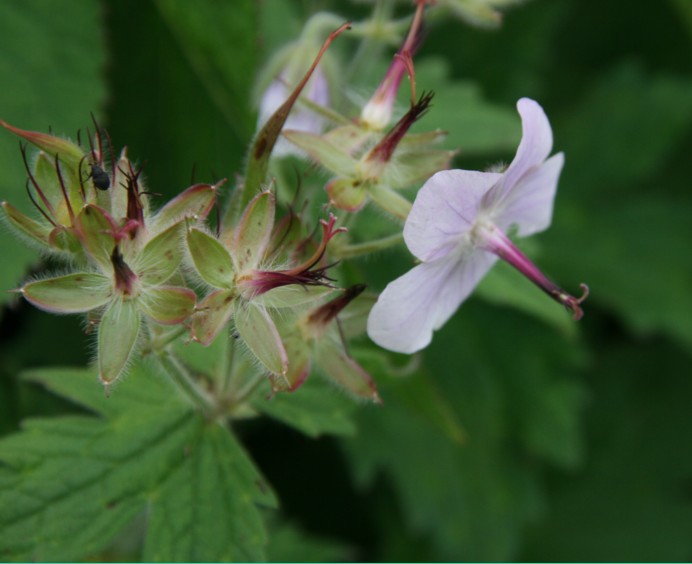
186	383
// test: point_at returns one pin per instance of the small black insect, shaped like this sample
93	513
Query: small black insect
99	177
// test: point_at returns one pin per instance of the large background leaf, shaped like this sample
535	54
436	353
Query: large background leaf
70	484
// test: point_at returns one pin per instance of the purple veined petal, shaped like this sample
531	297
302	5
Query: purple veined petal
444	210
422	300
529	205
535	146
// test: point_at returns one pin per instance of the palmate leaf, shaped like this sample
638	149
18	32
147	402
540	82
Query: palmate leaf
313	409
474	125
630	247
511	389
212	34
69	485
198	509
631	500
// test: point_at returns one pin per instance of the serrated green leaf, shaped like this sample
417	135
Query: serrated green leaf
313	409
626	502
606	128
217	476
77	386
642	274
416	390
290	544
473	499
68	485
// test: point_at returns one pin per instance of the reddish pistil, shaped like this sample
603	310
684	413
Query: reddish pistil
495	241
125	278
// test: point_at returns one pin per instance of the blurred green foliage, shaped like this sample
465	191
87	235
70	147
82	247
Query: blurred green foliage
516	435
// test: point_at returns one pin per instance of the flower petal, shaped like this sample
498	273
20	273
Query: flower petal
118	331
74	293
444	210
535	146
423	299
529	205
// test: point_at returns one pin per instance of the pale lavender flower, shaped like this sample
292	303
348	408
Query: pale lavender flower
457	227
301	117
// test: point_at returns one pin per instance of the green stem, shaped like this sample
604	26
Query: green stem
359	249
157	345
185	383
390	201
225	379
248	389
367	52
